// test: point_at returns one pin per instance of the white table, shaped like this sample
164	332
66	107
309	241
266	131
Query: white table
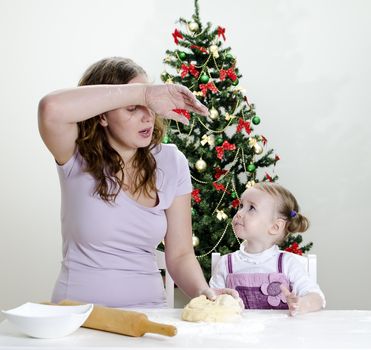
255	330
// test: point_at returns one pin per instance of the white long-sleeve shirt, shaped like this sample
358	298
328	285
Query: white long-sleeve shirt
267	262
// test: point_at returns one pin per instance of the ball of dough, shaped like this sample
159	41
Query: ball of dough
224	308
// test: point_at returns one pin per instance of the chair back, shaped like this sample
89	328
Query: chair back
169	283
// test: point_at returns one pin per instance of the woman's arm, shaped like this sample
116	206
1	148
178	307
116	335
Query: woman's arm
180	258
179	254
60	111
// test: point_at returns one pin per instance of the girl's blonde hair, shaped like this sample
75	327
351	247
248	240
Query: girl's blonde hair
102	161
288	207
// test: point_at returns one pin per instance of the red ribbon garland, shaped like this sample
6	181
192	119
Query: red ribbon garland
242	124
200	48
227	72
221	31
209	86
264	140
183	112
226	146
196	195
189	69
177	34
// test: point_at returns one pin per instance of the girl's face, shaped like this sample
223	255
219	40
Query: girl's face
255	217
131	127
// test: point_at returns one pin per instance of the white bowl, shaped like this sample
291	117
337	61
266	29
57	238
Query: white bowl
48	321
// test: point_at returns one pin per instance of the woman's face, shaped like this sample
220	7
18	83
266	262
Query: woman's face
131	127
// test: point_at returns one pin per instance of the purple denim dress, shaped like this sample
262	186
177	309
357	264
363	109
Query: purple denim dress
259	290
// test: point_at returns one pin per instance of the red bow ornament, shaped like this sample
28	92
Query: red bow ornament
183	112
294	248
226	146
227	72
235	203
242	124
221	31
219	187
196	195
209	86
268	177
200	48
189	69
177	35
219	172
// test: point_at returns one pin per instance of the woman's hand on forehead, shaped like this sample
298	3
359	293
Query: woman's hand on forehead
164	99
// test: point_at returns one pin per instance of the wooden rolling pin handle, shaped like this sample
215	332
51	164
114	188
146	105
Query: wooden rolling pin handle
159	328
131	323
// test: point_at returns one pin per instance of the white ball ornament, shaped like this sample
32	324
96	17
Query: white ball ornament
258	149
195	241
200	165
213	113
193	26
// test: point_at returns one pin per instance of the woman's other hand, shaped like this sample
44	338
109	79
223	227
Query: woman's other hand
212	293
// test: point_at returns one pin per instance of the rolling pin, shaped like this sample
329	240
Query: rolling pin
131	323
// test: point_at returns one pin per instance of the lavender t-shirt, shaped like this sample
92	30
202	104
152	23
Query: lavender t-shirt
108	249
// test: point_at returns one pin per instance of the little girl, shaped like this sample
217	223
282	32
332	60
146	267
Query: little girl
264	276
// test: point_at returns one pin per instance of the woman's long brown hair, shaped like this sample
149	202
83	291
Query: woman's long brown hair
102	161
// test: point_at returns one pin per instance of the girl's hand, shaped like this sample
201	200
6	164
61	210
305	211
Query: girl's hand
293	301
163	99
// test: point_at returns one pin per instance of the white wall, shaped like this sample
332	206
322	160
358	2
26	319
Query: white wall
306	66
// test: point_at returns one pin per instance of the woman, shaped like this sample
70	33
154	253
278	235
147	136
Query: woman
123	192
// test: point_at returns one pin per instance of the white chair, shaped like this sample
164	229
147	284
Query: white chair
309	261
169	283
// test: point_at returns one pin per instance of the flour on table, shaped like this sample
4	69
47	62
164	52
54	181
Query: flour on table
224	308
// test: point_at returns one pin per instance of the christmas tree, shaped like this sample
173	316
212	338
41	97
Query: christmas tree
225	154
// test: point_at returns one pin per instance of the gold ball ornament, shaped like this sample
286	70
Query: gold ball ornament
195	241
213	113
193	26
200	165
258	149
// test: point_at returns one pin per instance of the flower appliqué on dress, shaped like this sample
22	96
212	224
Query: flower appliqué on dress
272	289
